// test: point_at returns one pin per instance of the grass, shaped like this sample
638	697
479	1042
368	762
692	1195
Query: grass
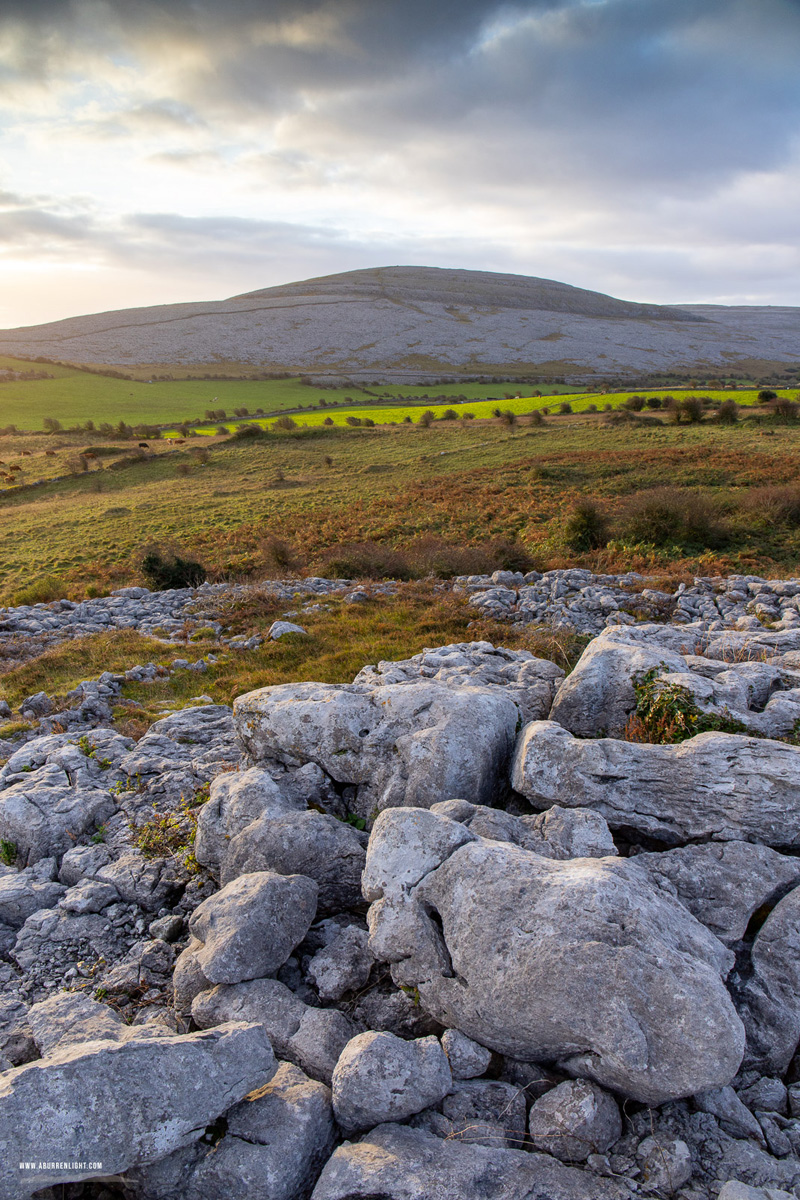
341	640
464	483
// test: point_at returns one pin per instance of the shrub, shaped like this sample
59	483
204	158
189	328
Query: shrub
692	408
245	433
509	418
363	560
586	527
164	571
653	402
280	558
775	503
284	423
635	403
536	417
41	591
785	409
328	421
766	394
565	407
728	413
427	418
449	414
671	517
353	420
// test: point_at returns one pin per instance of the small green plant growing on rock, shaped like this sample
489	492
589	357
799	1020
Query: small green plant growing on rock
8	852
169	835
666	713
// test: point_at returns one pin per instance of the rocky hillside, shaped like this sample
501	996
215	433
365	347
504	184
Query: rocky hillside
409	322
463	927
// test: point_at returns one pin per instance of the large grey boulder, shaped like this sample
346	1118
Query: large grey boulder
395	1162
251	926
402	744
715	785
312	1038
380	1077
574	1120
576	961
769	1001
531	682
312	844
72	1018
722	883
181	754
154	1096
148	883
274	1146
598	697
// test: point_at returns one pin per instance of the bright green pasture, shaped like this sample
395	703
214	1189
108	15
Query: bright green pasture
387	414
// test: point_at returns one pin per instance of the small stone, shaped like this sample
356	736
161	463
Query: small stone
380	1077
666	1163
574	1120
279	629
767	1095
467	1059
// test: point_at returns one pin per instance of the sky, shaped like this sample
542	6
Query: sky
196	149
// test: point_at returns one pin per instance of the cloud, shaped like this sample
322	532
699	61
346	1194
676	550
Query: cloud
650	148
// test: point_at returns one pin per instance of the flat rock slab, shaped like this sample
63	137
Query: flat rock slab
154	1096
715	785
395	1162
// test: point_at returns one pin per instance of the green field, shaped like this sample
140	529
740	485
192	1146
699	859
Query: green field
458	484
580	402
74	397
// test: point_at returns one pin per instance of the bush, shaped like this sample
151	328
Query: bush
509	418
728	413
41	591
353	420
775	504
163	571
284	423
536	417
565	408
766	394
692	409
785	409
246	433
671	517
635	403
363	560
653	402
427	418
280	558
586	527
449	414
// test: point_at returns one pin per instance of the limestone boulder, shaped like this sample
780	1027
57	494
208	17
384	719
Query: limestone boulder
274	1147
155	1095
380	1077
570	961
769	999
715	785
400	744
251	926
574	1120
312	844
395	1162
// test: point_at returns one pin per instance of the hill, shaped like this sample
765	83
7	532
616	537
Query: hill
420	322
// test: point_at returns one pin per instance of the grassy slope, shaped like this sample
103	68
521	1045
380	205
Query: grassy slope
464	482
